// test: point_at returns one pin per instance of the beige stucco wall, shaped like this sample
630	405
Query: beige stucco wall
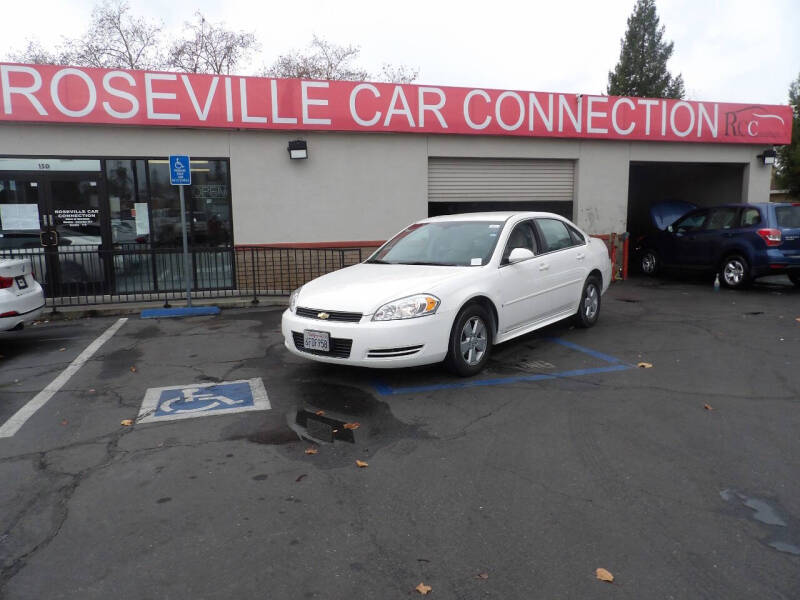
367	186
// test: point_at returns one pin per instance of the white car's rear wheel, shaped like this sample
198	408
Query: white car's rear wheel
470	341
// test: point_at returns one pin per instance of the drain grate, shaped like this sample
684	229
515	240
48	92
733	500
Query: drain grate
324	428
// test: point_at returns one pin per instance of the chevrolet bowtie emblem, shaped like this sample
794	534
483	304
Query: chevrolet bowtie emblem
323	315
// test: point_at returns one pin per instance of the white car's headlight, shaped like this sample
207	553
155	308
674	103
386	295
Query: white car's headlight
293	298
409	307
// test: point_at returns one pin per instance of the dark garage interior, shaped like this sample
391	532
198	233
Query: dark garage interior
703	184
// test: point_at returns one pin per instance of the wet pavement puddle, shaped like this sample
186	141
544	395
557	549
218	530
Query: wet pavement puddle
785	539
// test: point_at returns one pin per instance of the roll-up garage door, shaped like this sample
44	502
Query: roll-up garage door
457	185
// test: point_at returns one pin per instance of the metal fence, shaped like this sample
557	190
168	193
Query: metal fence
86	275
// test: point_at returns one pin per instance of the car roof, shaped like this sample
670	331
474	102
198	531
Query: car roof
488	216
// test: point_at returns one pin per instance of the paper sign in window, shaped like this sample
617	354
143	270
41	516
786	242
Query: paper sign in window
19	216
142	218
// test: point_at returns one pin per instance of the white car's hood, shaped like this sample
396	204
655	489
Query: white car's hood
365	287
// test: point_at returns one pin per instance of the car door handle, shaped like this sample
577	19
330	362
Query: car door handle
580	256
544	267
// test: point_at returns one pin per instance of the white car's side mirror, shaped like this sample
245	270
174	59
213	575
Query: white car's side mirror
519	254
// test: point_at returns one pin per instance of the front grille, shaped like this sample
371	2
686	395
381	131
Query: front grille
334	315
340	347
393	352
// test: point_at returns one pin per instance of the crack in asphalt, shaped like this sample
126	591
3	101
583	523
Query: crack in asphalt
62	495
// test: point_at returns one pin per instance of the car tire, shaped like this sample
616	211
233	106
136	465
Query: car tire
795	278
735	272
470	341
589	307
649	263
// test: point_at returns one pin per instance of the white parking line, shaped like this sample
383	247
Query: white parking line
11	426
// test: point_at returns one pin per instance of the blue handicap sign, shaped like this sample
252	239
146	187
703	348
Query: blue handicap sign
180	172
204	398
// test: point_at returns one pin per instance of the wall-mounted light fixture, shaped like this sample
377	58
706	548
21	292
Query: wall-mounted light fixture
768	156
298	149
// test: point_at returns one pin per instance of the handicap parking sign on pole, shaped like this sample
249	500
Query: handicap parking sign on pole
180	174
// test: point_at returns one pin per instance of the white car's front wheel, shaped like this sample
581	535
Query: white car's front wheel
470	341
589	308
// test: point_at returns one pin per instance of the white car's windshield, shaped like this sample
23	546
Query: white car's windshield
442	243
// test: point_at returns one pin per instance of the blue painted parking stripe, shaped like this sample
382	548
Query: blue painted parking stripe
604	357
616	365
387	390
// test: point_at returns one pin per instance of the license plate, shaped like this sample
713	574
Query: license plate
21	283
317	340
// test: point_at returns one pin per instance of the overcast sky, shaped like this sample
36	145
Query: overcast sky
727	50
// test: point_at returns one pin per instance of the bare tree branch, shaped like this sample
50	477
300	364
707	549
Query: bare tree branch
210	48
117	39
327	60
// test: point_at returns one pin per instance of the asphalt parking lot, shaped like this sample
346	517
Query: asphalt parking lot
564	457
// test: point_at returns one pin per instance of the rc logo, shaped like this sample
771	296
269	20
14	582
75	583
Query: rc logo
753	121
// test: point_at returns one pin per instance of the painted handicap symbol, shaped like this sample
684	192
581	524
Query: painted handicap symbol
197	400
193	397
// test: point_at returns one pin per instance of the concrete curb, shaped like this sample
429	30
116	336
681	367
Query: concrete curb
66	313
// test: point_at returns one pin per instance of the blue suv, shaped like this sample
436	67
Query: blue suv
740	242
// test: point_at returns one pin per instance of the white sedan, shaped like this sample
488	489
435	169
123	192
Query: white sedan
447	289
21	297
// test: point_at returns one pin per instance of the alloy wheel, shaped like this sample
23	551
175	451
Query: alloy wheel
473	341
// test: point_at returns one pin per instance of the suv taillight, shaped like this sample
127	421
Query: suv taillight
6	282
771	236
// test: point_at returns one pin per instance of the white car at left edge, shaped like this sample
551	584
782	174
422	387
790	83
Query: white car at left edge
447	289
21	296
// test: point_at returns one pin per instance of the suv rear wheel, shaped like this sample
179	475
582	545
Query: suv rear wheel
795	278
649	263
735	272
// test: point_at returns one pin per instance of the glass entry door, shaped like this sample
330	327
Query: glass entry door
72	235
21	198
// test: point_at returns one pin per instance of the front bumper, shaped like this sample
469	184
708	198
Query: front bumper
376	344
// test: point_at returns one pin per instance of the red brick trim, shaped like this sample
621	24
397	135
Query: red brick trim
356	244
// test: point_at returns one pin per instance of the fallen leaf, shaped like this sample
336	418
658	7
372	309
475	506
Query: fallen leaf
133	369
604	575
482	576
645	365
352	425
65	422
61	349
311	451
708	407
361	464
126	422
423	589
319	413
301	477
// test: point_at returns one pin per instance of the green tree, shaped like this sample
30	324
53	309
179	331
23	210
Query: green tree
788	176
642	67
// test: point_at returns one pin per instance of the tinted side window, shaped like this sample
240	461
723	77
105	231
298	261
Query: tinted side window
555	235
750	217
788	216
691	222
521	237
577	236
722	218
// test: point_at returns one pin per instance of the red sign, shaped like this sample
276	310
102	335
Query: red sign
54	94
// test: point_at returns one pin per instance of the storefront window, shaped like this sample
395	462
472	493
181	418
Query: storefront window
130	225
208	220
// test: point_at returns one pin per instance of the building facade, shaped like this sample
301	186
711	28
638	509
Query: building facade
83	163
